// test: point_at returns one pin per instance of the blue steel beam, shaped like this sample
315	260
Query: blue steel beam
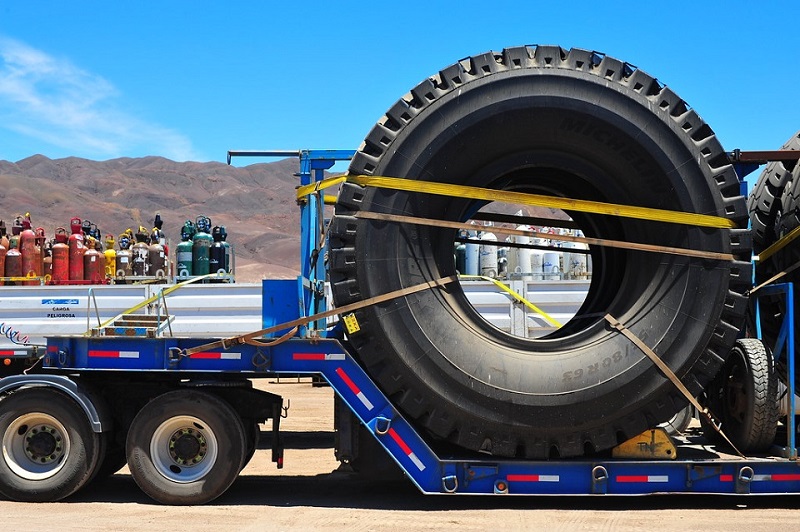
430	473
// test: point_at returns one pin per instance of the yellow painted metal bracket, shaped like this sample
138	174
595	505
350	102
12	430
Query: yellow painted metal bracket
653	444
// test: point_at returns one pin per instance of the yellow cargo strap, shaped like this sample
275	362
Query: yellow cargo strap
549	319
779	245
305	190
566	204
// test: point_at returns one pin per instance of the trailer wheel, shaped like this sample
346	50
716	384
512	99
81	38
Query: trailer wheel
252	436
745	397
569	123
49	448
185	447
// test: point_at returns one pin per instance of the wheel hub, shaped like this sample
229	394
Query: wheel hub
43	444
187	447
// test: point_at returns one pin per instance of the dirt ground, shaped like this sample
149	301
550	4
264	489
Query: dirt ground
307	494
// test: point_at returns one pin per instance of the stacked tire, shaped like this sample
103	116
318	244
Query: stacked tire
774	207
570	123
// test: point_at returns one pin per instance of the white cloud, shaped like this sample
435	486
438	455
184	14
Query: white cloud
55	102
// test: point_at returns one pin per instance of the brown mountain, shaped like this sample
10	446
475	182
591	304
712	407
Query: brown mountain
255	203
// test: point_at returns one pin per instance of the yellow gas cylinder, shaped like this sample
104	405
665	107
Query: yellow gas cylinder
111	257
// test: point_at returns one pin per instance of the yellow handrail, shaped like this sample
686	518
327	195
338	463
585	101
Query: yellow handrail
549	319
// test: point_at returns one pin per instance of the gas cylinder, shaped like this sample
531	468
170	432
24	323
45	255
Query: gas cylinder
3	235
183	252
111	257
216	254
92	267
27	248
472	260
201	246
41	240
13	264
460	256
228	250
488	255
157	252
16	229
98	246
60	257
76	250
157	259
124	256
47	261
139	254
2	261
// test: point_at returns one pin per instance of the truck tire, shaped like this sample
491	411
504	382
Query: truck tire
565	123
49	448
764	204
744	396
773	307
185	447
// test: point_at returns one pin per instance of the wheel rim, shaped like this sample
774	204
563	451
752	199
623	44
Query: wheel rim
183	449
35	446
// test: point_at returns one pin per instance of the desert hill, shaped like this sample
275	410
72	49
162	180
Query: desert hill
255	203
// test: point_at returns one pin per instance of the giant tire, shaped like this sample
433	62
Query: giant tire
566	123
777	188
764	203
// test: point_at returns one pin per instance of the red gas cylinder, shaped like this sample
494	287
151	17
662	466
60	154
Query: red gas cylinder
39	251
13	264
3	236
27	247
93	269
76	250
60	257
2	261
47	261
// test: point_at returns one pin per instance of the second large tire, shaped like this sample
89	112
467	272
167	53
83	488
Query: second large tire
575	124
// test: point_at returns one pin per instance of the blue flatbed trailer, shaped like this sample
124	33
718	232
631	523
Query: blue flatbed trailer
697	469
118	381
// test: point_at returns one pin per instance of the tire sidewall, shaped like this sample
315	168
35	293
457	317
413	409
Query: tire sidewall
84	454
217	415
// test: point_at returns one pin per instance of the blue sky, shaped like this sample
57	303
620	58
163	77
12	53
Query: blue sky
190	80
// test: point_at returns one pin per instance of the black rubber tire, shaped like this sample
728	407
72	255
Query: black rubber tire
764	204
566	123
773	308
163	478
80	457
678	423
744	396
114	460
252	437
